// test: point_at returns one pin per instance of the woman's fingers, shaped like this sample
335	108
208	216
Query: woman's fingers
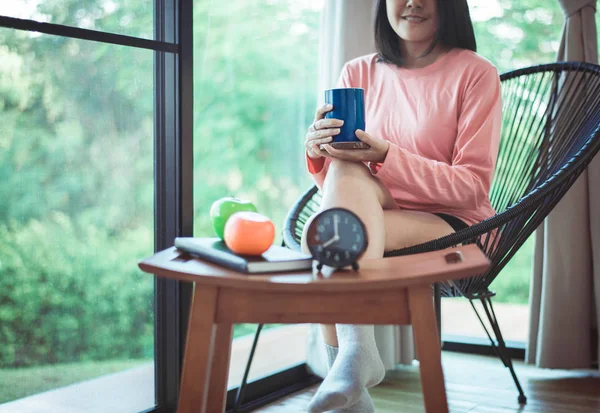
327	123
313	145
320	137
315	149
323	133
320	141
321	111
348	154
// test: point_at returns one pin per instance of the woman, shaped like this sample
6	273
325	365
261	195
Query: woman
433	116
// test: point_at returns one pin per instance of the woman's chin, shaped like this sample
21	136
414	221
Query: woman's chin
424	41
416	35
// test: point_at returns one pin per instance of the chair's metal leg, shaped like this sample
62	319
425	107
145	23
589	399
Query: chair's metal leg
240	393
500	347
437	300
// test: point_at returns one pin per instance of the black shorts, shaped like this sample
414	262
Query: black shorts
456	223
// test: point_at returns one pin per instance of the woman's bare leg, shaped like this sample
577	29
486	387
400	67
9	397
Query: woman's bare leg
351	185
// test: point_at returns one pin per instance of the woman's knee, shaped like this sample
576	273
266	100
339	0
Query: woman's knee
346	174
340	169
356	176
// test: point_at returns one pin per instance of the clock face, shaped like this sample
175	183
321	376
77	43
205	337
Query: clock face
336	237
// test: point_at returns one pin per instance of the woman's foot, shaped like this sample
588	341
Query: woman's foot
364	405
357	367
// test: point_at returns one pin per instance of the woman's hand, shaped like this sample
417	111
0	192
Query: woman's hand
376	153
321	132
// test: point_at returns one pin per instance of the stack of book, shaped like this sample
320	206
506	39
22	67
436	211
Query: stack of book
275	259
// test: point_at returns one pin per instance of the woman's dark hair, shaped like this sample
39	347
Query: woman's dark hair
455	30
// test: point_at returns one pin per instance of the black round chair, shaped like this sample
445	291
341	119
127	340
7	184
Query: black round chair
550	133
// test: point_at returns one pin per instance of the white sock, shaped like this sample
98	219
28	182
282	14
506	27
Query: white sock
357	367
332	353
364	405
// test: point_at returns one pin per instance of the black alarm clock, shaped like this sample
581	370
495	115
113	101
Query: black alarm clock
337	237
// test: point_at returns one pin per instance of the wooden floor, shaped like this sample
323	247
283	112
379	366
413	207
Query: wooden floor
477	384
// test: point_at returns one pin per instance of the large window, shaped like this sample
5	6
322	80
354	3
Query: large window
76	212
77	204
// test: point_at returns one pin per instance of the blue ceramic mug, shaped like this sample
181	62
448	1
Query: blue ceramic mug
349	106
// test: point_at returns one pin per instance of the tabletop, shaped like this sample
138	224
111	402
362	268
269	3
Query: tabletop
374	274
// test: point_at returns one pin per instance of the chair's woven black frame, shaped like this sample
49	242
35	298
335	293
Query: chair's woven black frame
550	133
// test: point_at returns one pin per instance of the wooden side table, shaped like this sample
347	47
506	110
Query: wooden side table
385	291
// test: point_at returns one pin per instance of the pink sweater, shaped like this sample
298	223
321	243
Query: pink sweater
443	123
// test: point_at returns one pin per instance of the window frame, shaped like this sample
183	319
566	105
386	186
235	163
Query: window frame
173	140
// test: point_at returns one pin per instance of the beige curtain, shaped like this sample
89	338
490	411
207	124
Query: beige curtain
565	290
346	33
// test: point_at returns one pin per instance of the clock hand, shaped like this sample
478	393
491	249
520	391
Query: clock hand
331	241
335	225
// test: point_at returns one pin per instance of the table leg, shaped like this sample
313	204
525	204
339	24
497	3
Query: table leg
219	370
198	348
428	349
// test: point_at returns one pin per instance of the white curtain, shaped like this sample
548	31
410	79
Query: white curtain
346	33
565	289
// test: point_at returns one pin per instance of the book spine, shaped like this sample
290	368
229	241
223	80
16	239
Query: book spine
222	258
214	256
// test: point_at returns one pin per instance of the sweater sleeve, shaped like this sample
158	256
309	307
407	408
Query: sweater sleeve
464	183
318	167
